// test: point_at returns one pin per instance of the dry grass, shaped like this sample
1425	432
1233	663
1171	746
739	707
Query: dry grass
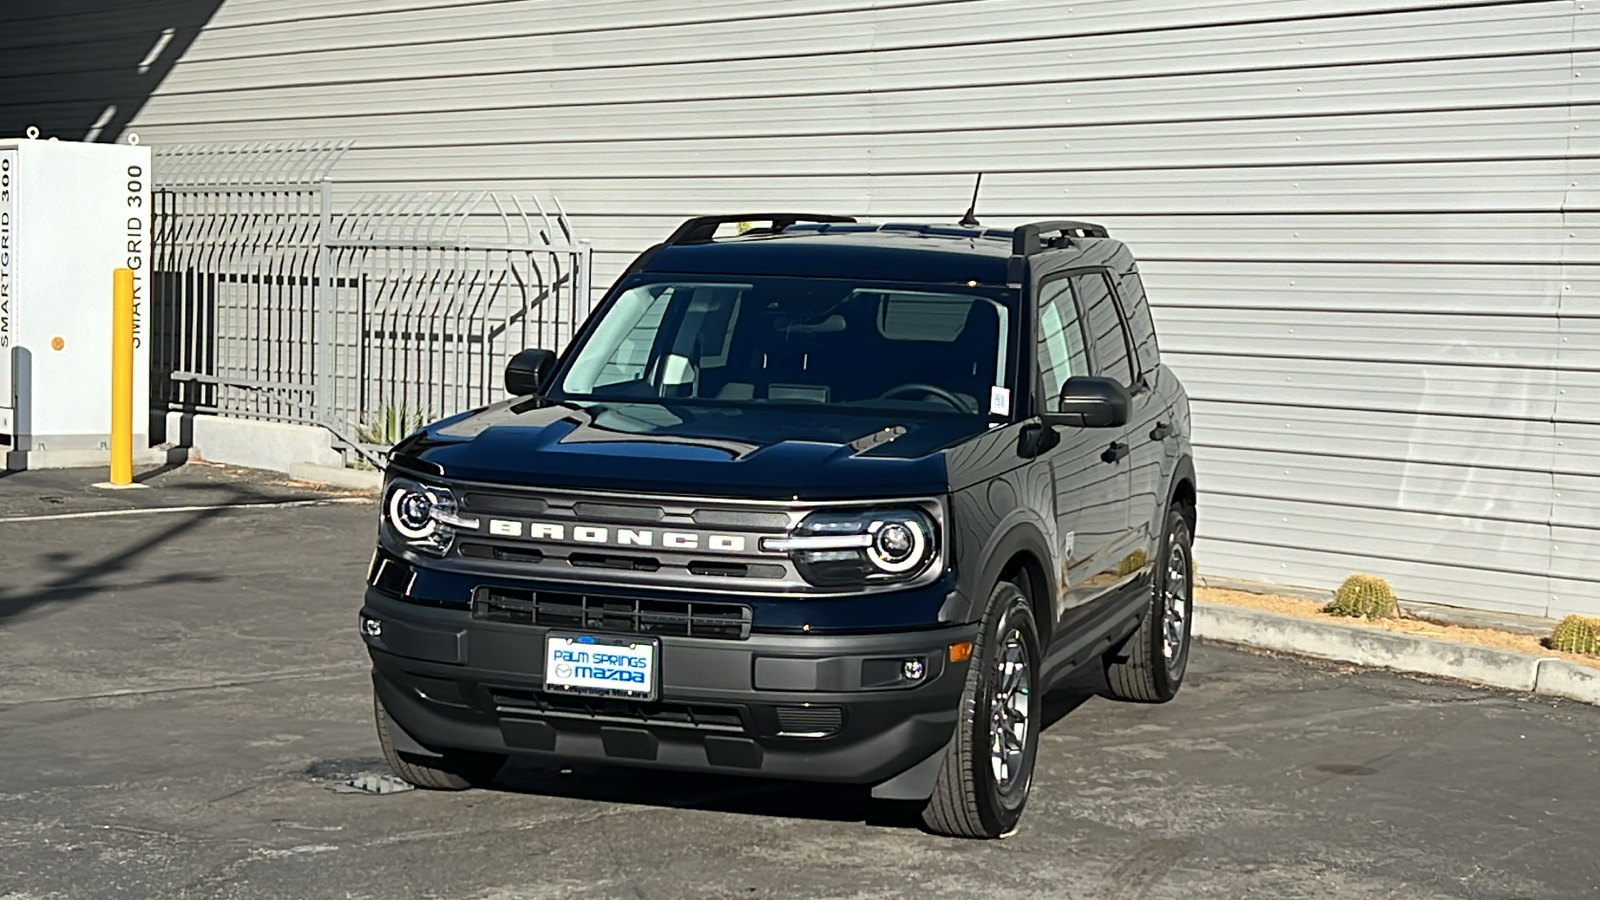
1310	609
263	476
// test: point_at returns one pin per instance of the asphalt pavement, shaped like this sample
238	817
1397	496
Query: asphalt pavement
180	692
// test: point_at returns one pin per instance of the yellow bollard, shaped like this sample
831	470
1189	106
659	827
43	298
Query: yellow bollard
122	377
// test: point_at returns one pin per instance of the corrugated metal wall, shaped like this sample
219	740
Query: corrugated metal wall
1371	226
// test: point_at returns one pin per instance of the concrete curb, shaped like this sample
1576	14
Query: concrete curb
1559	678
337	476
276	446
1522	672
84	459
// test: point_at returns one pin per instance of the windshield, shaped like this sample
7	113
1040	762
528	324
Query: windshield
801	341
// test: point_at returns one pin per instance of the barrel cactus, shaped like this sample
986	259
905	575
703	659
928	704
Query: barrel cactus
1577	634
1364	596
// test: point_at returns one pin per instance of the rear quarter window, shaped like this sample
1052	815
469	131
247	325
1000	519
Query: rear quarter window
1130	289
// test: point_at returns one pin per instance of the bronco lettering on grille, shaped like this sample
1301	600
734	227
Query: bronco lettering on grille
620	537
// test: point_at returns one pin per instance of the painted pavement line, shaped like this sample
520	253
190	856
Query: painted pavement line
244	681
109	513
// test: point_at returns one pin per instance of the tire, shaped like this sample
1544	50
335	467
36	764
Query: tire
971	798
1150	666
455	770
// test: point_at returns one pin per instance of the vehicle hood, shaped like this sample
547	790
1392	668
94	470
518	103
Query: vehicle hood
761	453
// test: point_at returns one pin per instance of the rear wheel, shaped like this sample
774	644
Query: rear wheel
454	770
1150	667
988	769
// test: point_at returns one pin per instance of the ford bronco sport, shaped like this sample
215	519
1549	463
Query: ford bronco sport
814	500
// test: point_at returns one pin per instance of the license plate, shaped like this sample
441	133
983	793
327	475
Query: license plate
601	665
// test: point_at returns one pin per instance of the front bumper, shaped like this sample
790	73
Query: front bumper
812	707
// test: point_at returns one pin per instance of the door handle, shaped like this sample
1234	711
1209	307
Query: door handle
1116	451
1161	432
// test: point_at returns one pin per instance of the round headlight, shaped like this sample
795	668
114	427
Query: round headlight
425	518
897	545
411	511
837	548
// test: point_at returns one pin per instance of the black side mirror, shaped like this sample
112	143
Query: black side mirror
1091	402
526	371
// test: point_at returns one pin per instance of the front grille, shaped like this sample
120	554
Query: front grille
501	553
777	522
596	540
613	561
563	506
809	721
718	569
700	717
618	512
624	562
479	502
679	618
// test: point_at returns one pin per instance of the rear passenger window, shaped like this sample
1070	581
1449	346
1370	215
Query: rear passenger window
1107	332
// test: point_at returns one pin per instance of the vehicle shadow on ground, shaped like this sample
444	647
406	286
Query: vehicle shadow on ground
81	575
78	573
744	795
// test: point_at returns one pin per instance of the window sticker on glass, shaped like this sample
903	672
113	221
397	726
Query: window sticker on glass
999	401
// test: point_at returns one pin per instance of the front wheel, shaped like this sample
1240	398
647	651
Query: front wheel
988	769
455	770
1150	667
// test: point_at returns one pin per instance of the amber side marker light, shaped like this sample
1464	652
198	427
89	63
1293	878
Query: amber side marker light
960	651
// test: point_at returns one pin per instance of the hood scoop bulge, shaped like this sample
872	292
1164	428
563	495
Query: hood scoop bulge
877	438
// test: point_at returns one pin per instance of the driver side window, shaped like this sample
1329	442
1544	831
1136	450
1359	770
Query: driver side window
1061	349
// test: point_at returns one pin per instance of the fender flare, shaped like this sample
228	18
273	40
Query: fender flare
1181	472
1019	531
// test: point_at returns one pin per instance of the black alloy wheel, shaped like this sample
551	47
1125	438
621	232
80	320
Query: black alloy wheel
988	769
1149	667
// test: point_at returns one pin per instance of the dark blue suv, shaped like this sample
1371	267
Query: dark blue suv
805	498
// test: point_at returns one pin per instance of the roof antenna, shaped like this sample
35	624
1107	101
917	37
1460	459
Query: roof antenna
970	220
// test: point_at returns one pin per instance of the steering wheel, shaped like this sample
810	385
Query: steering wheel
929	390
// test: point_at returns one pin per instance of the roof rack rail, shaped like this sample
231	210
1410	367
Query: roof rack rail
701	229
1026	240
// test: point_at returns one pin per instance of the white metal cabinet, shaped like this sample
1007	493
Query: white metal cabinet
70	214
